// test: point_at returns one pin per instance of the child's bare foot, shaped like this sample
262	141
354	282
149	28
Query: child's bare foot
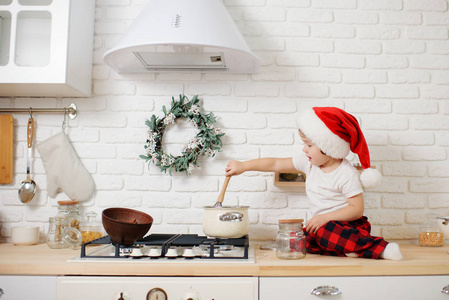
392	252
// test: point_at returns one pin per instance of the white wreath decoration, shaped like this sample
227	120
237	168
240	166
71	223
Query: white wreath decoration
207	142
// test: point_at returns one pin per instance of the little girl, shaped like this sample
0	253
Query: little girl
333	185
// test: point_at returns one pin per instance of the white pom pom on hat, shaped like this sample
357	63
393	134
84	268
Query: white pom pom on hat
337	132
370	178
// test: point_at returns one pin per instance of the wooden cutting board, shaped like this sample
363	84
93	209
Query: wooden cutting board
6	148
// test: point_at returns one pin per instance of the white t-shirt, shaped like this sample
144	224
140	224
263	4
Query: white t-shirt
328	191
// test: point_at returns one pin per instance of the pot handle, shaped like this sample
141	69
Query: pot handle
231	216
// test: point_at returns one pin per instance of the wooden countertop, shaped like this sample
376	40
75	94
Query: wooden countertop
41	260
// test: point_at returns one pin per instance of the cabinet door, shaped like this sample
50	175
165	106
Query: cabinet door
46	47
28	287
355	288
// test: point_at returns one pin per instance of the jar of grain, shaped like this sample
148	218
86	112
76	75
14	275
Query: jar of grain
90	229
430	234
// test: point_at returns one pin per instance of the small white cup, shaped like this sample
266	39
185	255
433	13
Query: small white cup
25	235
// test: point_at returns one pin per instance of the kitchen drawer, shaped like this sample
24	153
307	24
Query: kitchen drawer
355	288
176	288
28	287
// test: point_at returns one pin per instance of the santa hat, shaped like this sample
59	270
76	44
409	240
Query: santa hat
336	133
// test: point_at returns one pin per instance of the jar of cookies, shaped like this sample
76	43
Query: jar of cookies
430	234
61	234
56	226
69	210
91	229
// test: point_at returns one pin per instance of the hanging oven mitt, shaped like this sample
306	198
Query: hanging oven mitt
64	169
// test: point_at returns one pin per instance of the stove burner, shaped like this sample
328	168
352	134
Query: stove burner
175	246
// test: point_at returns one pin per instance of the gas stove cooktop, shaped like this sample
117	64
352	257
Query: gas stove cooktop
170	247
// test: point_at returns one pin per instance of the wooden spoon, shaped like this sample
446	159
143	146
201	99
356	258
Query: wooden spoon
222	193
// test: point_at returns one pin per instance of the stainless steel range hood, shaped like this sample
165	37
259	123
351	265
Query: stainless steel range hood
183	35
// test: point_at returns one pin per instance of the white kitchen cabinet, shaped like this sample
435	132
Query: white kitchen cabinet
27	287
46	47
355	288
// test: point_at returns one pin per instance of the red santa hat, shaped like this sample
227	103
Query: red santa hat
337	132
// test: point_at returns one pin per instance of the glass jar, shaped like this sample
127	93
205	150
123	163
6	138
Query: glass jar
443	222
430	234
290	241
90	229
69	210
62	235
54	236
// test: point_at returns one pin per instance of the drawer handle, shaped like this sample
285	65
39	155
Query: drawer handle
1	291
326	290
445	290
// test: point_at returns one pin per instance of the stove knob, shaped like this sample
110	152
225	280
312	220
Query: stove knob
188	253
171	252
157	294
136	252
191	295
123	296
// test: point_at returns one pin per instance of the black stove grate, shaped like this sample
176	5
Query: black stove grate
165	241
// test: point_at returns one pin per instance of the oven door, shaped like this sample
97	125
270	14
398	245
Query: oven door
160	288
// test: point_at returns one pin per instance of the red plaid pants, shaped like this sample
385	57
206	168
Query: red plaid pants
339	237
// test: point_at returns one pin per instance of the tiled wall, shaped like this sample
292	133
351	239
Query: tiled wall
384	61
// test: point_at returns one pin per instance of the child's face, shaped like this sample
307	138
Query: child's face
316	157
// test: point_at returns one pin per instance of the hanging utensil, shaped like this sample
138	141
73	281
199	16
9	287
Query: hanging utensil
27	188
220	198
64	122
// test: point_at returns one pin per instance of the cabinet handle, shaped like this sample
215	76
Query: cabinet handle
326	290
1	291
445	290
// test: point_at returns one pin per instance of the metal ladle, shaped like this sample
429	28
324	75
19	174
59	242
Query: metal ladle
27	188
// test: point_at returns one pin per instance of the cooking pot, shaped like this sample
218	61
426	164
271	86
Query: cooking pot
226	221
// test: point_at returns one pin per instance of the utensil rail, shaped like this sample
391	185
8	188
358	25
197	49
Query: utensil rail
71	111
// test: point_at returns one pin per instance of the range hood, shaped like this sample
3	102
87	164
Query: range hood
182	35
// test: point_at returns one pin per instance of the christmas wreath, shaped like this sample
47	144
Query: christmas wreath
207	142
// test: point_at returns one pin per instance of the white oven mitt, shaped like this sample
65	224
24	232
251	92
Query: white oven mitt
64	169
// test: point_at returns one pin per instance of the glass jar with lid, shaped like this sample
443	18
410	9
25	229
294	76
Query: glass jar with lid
430	234
54	236
63	230
69	210
62	235
91	229
290	240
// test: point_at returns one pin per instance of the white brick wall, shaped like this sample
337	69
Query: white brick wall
385	61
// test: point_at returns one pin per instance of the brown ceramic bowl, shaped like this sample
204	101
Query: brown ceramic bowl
124	225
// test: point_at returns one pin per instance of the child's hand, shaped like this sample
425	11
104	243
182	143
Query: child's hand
234	167
316	222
